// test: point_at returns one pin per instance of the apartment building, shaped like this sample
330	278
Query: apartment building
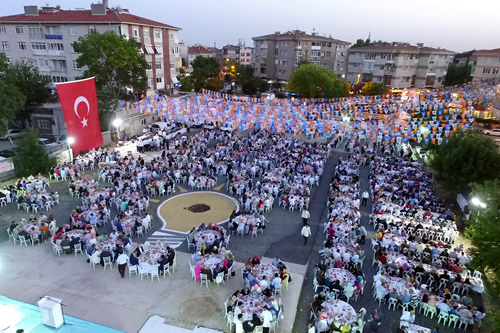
276	55
399	65
487	65
231	52
45	36
246	55
195	51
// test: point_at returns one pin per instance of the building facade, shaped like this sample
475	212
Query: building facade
195	51
399	65
276	55
45	37
246	56
487	65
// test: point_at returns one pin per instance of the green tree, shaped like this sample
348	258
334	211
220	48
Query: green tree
32	157
214	84
12	99
484	226
187	83
302	61
117	66
205	68
313	81
347	88
371	89
469	157
458	74
32	85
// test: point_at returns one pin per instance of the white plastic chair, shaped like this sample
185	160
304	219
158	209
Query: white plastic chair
142	272
78	248
11	236
204	279
22	240
139	232
166	269
154	272
107	262
219	279
3	201
132	269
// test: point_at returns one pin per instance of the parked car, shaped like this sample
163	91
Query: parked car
162	126
493	132
13	134
209	126
228	127
9	152
47	142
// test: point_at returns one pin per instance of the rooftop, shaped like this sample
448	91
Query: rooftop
400	47
198	49
83	16
493	52
297	34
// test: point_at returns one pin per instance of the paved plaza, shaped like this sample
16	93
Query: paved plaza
102	297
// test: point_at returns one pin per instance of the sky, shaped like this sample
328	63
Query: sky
457	25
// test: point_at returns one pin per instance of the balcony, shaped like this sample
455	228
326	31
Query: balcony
53	37
316	47
56	53
298	47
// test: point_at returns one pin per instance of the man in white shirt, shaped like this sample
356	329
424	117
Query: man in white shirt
263	284
306	232
267	316
121	261
276	282
409	317
365	197
305	216
114	236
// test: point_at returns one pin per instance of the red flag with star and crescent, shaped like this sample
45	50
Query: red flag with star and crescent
79	105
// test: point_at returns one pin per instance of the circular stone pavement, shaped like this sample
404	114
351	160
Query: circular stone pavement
188	210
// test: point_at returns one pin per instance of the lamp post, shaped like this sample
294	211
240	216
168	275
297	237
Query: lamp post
477	202
70	141
117	123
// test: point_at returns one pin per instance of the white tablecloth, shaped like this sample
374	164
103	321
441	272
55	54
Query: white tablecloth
340	309
340	274
267	270
412	328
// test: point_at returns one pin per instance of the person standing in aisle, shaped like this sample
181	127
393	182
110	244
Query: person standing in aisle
306	232
305	216
365	197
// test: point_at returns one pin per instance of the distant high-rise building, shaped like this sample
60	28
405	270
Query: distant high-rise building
276	55
45	37
399	65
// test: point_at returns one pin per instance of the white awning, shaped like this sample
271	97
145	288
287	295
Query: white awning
149	49
173	80
159	49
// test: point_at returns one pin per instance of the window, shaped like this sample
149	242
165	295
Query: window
43	124
150	65
38	46
432	69
146	33
150	81
158	65
55	30
22	46
316	62
370	56
2	30
433	59
135	32
495	70
59	79
75	65
72	30
172	50
56	46
284	53
117	29
5	46
19	29
489	59
43	62
316	44
485	70
157	33
171	35
328	54
158	79
315	53
91	29
172	65
35	32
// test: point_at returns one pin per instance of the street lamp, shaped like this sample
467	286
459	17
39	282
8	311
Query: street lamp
477	202
70	141
117	123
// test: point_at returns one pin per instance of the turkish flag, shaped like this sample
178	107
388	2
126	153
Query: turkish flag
79	105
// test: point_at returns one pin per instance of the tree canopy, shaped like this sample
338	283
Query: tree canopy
484	226
371	89
32	157
204	70
469	157
360	42
458	74
117	66
250	84
32	85
11	97
313	81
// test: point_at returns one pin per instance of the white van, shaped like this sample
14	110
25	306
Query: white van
162	126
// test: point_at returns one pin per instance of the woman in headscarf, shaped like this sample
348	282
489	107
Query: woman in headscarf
349	289
376	320
357	285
